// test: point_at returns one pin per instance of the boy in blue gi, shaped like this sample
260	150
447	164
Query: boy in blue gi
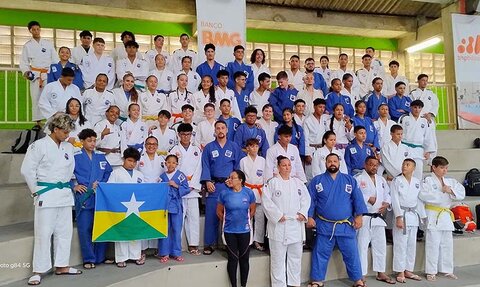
210	66
90	169
399	104
336	210
232	122
219	159
282	97
375	98
249	130
172	245
357	151
239	66
360	119
240	91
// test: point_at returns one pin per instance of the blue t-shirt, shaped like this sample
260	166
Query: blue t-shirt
237	208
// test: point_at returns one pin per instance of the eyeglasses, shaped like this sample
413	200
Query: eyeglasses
151	144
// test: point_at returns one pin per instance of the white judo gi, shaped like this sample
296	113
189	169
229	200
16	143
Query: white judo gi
176	64
343	135
319	160
150	58
292	154
205	133
230	95
95	104
254	179
194	81
92	65
45	162
165	79
431	104
133	134
78	53
373	228
110	141
405	202
390	82
439	237
166	140
365	77
285	198
130	250
121	101
297	79
151	105
309	97
313	130
393	156
54	98
259	100
37	57
138	68
257	71
199	99
269	128
176	100
190	163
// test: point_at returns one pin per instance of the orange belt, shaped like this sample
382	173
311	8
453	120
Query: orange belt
255	186
41	71
176	117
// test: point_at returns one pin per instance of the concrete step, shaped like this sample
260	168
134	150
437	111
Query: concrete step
7	139
456	139
211	270
11	174
16	205
461	159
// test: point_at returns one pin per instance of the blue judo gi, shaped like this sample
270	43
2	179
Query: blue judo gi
244	132
172	245
372	134
355	156
319	83
298	137
281	99
233	67
335	202
204	69
86	172
373	102
55	73
217	164
232	124
396	103
243	99
333	98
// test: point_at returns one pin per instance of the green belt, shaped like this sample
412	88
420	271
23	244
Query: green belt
412	145
139	87
86	196
49	186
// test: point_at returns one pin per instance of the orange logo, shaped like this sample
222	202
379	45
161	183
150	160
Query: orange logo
473	45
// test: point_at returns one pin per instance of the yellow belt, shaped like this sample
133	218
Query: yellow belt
162	152
149	118
335	222
440	210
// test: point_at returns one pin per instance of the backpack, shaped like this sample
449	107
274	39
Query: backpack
26	138
476	143
472	182
463	214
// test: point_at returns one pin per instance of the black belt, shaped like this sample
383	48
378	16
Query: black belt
219	179
375	215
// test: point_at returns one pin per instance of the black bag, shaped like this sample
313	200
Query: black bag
26	138
477	212
472	182
476	143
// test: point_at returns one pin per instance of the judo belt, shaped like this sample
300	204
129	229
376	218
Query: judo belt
341	146
41	71
176	117
189	177
374	215
109	150
49	186
162	152
315	145
412	145
78	144
149	118
439	211
80	203
258	187
219	179
335	222
405	210
139	87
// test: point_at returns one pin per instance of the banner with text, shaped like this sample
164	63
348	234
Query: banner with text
222	23
466	43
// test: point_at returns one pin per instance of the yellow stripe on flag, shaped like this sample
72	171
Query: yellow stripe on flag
104	220
151	217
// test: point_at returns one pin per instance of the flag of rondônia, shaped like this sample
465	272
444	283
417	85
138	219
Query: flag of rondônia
130	211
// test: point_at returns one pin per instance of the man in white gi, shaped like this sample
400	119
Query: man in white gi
295	75
376	63
97	63
438	192
47	168
314	128
376	195
84	49
177	56
138	67
37	55
150	55
120	52
286	202
393	78
55	95
285	148
366	75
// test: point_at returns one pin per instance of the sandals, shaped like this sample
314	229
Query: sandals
109	261
35	280
88	265
387	280
316	284
450	276
258	246
431	277
164	259
401	279
195	252
413	277
142	259
178	258
359	285
208	250
71	271
122	264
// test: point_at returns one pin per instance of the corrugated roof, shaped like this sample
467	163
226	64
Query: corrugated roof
385	7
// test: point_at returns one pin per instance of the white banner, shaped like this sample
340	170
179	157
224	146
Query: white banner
222	23
466	43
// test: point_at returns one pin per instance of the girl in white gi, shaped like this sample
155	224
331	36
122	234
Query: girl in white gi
253	166
97	100
167	137
205	129
74	110
193	78
286	202
179	97
259	96
408	210
438	192
376	195
133	131
257	60
383	125
341	125
329	142
266	123
47	168
165	77
200	98
151	165
131	250
235	207
152	102
125	95
190	163
108	140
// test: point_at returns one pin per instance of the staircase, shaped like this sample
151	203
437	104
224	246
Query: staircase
16	238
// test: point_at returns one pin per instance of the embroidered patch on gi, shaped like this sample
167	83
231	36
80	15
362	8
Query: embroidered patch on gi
235	126
363	184
246	73
292	98
54	96
158	100
371	128
228	153
278	193
259	172
348	188
429	98
369	151
319	187
54	69
142	128
107	103
199	100
188	101
88	101
195	153
170	141
407	104
138	65
353	150
299	191
66	156
110	65
422	126
417	185
139	180
44	50
259	138
215	153
245	99
434	186
103	164
181	177
383	184
292	158
141	164
405	153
